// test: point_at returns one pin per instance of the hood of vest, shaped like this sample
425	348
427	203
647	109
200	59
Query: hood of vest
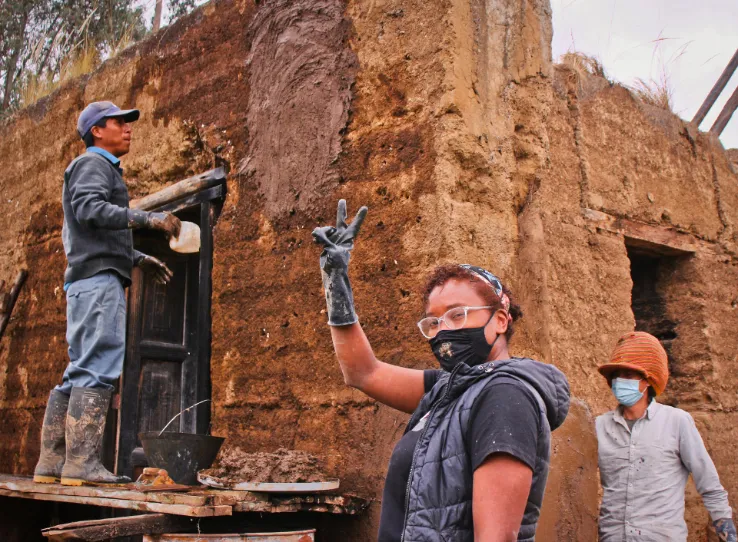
550	383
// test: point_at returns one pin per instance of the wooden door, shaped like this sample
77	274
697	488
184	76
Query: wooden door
167	367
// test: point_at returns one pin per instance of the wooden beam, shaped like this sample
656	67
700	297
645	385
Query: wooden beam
195	199
26	485
179	190
724	117
8	302
653	238
716	90
176	509
106	529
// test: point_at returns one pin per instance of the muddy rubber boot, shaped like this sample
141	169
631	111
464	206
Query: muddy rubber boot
88	408
53	449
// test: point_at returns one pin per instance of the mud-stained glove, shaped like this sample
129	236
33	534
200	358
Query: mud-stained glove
166	222
161	273
337	245
725	529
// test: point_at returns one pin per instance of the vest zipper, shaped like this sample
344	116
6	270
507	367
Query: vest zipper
420	438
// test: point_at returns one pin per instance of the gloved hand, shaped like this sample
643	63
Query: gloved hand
166	222
725	529
337	244
156	267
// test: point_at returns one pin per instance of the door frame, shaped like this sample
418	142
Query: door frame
210	202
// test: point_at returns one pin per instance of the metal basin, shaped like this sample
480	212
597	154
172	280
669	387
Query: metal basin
181	454
294	536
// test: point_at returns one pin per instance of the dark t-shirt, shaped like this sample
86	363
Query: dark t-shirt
504	419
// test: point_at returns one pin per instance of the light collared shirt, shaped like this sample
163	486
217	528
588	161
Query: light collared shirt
644	473
105	154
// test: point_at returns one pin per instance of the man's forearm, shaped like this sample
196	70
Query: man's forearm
698	461
137	256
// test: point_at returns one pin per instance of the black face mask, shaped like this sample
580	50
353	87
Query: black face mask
468	345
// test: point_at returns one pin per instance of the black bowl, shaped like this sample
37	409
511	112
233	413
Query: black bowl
181	454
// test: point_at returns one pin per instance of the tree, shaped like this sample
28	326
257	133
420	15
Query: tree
40	38
177	8
44	42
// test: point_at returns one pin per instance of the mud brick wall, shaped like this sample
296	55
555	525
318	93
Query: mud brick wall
449	120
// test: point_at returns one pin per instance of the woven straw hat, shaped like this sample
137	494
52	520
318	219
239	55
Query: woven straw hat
642	352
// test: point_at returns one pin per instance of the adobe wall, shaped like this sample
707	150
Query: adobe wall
450	122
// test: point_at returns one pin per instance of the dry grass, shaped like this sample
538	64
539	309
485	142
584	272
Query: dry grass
124	41
583	64
84	58
35	88
656	93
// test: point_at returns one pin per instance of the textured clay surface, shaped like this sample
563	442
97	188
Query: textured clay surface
282	466
301	74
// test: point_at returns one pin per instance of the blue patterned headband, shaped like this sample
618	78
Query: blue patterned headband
492	281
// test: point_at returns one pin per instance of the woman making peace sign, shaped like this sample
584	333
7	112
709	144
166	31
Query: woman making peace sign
473	462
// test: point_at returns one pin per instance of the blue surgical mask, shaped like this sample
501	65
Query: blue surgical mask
626	391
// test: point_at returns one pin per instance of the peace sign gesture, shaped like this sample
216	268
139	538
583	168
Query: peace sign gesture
342	234
338	242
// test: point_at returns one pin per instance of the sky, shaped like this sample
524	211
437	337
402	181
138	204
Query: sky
688	42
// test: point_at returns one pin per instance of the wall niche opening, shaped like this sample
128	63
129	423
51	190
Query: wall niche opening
655	286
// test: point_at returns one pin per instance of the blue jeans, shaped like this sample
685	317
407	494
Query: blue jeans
96	332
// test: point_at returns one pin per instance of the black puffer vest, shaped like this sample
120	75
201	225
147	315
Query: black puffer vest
439	492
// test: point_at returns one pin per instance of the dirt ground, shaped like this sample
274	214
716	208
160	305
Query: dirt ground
449	120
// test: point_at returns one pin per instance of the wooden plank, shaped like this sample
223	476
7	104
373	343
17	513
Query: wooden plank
202	334
28	486
105	529
331	504
225	496
176	509
9	303
725	115
717	89
180	190
193	200
654	238
128	413
334	504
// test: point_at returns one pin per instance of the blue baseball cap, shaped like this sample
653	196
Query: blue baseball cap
103	110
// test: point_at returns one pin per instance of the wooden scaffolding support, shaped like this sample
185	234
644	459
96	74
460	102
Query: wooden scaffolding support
729	108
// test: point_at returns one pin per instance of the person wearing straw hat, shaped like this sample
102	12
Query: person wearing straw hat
647	450
98	244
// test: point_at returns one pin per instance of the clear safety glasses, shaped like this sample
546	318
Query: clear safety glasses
453	319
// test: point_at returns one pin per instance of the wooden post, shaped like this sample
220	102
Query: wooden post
724	117
107	529
716	90
8	301
179	190
157	17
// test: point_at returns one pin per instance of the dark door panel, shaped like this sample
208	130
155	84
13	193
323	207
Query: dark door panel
167	367
160	396
165	306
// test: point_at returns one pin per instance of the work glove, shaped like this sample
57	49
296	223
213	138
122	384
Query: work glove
337	245
166	222
725	529
155	267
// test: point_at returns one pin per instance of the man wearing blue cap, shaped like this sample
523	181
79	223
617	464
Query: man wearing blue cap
98	243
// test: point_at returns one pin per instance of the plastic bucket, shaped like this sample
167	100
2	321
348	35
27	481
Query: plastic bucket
188	240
